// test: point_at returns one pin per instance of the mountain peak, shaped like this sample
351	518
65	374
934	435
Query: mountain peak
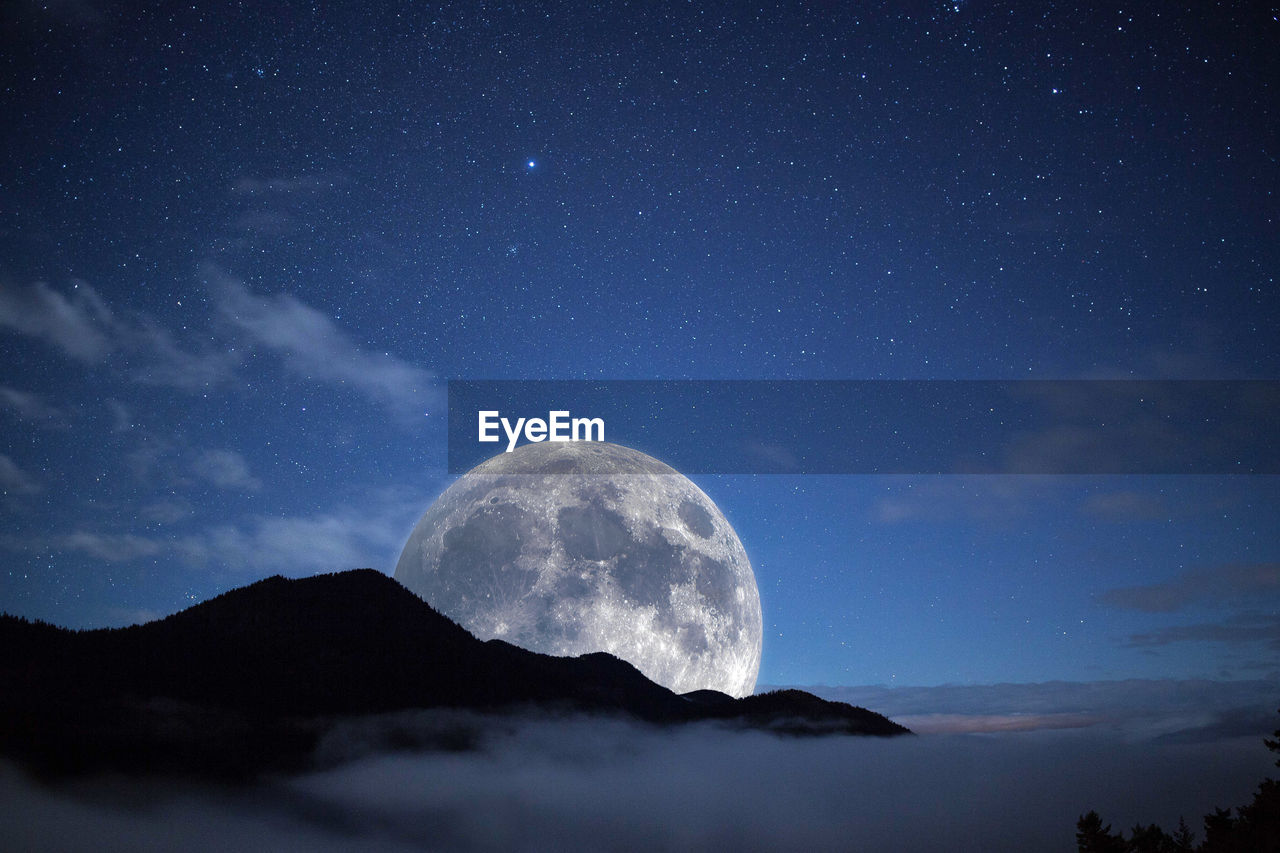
280	651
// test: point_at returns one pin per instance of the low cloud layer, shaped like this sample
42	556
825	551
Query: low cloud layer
577	784
1189	709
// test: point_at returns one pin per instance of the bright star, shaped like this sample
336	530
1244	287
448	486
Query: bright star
531	164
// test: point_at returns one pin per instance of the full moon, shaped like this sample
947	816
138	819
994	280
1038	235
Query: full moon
567	548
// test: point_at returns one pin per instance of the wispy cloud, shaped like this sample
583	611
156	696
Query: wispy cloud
272	207
989	723
112	547
225	469
32	407
313	346
121	417
1223	584
1143	427
83	327
340	538
162	360
1236	602
15	481
961	497
1237	629
1144	708
364	530
1124	506
79	324
298	545
310	344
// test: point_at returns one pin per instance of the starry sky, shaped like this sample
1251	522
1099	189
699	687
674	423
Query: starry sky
244	247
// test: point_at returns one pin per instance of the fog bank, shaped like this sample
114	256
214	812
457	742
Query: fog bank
589	784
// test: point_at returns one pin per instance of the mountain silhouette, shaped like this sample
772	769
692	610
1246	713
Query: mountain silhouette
250	680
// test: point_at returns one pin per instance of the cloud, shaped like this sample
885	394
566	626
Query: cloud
261	545
1077	448
342	538
1214	585
226	469
1233	592
168	511
770	458
121	417
15	481
1240	629
78	325
1099	427
339	539
991	497
1137	707
265	222
313	347
595	784
310	344
112	547
83	327
987	723
31	407
1123	506
161	360
276	206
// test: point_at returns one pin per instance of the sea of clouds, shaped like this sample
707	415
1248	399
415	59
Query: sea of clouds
463	782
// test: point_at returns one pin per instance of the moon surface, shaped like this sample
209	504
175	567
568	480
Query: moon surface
567	548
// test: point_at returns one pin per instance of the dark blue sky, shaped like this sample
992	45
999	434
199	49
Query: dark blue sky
242	248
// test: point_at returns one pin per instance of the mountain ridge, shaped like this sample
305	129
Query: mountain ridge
248	681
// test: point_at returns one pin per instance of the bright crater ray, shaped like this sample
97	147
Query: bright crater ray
574	547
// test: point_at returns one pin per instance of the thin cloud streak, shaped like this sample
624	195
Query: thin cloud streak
1241	629
77	325
15	481
226	469
1141	707
1230	582
32	407
308	342
112	547
312	346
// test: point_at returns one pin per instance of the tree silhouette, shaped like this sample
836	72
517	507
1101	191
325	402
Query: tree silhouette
1184	840
1093	837
1254	828
1274	745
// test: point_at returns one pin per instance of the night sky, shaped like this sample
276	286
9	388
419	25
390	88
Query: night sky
243	247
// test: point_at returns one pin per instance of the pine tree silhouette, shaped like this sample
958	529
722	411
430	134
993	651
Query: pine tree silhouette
1254	828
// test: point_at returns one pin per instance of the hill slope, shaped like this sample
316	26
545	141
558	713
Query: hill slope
248	681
